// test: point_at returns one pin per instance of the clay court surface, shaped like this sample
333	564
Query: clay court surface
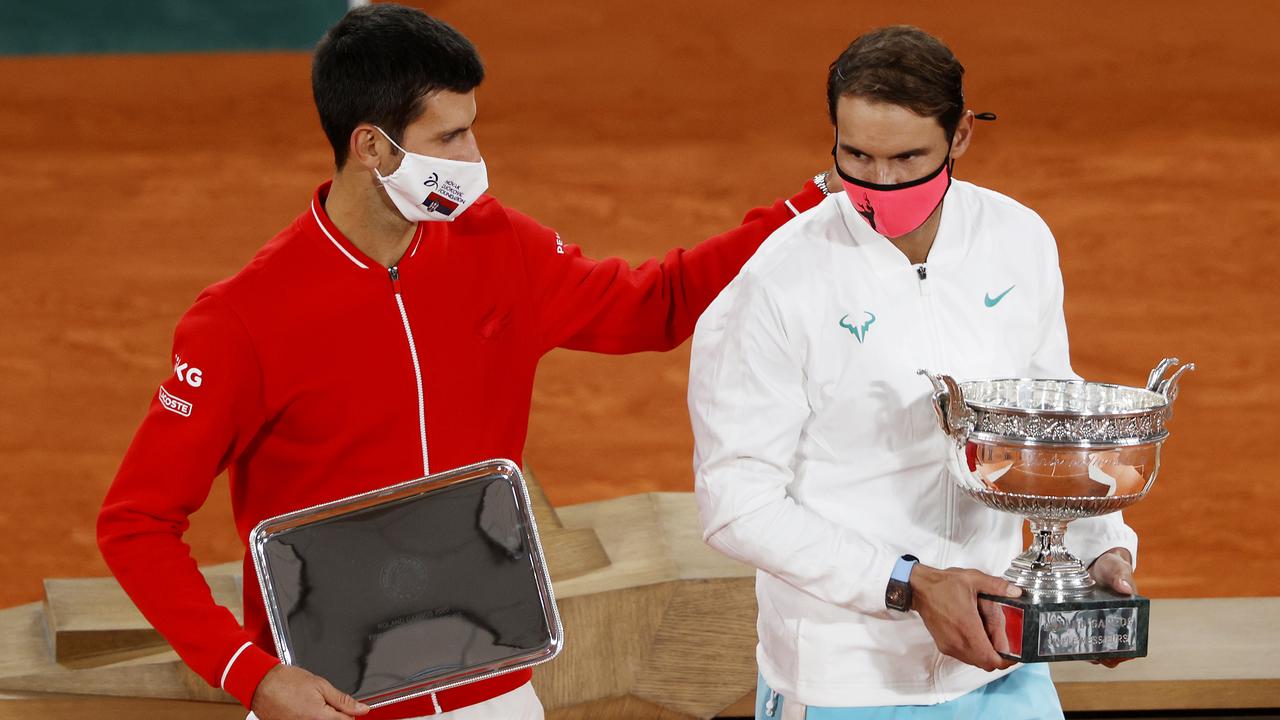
1146	135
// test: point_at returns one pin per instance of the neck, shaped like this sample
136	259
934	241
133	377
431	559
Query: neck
917	243
363	214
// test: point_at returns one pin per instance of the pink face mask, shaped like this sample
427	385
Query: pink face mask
897	209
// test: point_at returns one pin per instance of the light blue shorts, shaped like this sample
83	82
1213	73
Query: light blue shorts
1024	694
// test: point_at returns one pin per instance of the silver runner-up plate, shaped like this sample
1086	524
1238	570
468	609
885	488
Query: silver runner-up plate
411	589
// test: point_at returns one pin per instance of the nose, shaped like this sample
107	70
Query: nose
887	174
472	148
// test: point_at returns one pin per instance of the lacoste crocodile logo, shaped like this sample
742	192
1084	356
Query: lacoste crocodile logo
859	332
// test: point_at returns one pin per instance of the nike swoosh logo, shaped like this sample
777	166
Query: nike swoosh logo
992	302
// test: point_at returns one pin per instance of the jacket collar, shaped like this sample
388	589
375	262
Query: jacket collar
340	243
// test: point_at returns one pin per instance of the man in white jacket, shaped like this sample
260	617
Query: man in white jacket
818	458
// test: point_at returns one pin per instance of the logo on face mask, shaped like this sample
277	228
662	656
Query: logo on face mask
867	212
439	204
432	181
859	332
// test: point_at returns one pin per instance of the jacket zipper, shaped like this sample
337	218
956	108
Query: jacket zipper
922	273
394	271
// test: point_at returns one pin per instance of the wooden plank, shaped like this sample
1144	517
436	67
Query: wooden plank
743	707
628	528
573	552
623	708
92	618
46	706
703	656
26	665
543	512
570	552
1170	695
677	515
607	636
1226	649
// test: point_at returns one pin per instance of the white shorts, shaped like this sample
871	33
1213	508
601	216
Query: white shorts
519	704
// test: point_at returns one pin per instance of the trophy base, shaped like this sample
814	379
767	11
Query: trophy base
1098	625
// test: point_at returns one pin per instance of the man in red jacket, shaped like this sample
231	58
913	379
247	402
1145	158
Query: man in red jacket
391	330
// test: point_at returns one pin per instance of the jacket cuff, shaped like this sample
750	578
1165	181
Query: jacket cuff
245	670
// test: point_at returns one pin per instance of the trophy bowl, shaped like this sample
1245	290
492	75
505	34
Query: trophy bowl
1054	451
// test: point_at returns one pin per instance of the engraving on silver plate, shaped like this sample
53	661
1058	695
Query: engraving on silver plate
1050	507
403	577
1082	632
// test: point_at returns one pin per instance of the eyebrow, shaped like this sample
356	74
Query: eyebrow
914	151
455	131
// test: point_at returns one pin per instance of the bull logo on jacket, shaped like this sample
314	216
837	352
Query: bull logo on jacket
860	331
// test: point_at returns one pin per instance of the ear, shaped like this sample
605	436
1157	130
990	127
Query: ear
964	135
368	148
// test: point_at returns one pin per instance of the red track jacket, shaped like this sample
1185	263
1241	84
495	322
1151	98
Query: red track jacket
315	373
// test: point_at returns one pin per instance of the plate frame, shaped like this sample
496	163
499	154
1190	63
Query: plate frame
498	468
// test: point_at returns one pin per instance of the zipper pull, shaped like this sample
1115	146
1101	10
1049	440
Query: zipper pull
395	278
771	705
923	272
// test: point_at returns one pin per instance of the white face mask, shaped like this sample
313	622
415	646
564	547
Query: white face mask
426	188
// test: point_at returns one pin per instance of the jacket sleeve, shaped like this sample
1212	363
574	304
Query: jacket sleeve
607	306
1089	537
200	418
748	407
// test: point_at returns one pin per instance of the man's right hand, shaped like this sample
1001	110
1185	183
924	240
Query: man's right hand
947	601
291	693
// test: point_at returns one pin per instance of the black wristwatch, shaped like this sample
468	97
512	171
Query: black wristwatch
897	596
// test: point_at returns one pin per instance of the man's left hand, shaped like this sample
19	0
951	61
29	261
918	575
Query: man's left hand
1113	570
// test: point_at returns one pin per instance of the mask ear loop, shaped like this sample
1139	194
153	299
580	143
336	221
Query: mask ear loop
988	117
382	179
388	137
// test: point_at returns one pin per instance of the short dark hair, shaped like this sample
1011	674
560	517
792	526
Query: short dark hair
378	63
902	65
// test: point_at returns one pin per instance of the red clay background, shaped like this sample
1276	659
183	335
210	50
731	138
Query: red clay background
1145	134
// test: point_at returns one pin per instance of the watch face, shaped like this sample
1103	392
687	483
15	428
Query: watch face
896	596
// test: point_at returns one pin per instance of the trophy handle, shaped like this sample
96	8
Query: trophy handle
1168	387
1155	377
954	416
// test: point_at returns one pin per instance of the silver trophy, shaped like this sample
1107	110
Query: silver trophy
1054	451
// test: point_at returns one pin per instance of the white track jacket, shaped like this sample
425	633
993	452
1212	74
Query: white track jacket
818	456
